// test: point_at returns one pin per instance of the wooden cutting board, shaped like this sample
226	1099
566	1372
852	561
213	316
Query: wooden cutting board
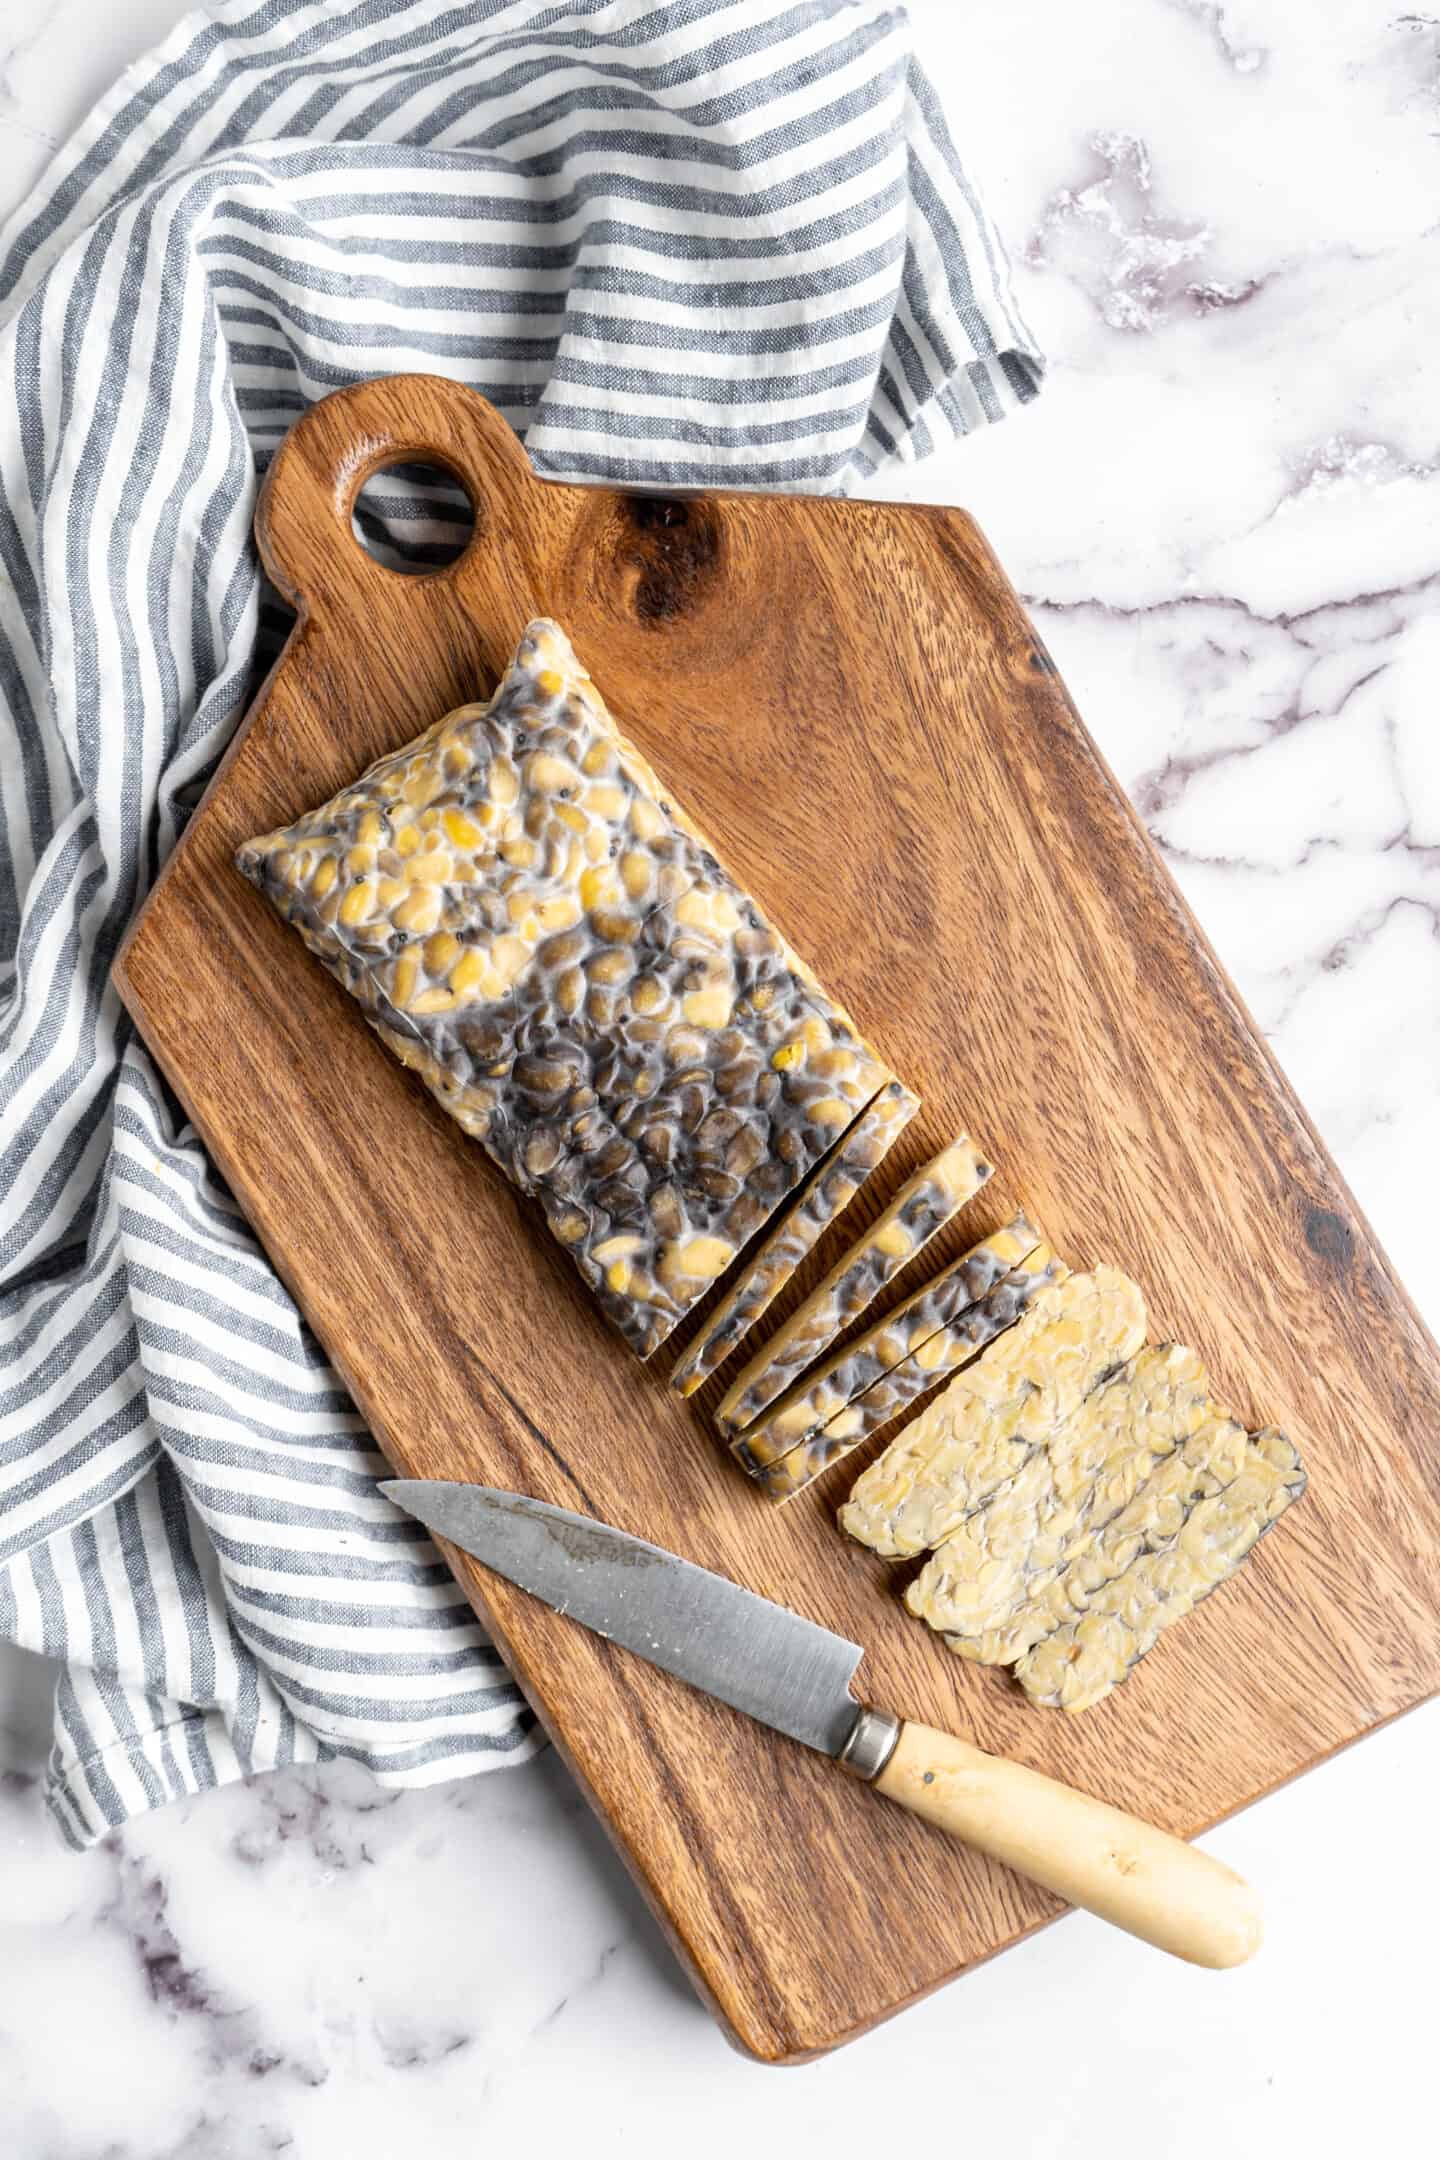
850	699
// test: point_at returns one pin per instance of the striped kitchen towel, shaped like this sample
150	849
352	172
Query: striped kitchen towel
716	240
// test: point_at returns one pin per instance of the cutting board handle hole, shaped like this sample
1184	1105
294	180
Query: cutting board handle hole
414	516
405	476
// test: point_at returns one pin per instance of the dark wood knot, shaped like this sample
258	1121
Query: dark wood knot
1329	1236
670	550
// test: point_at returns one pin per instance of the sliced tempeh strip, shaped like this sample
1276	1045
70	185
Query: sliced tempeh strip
818	1395
923	1206
994	1415
538	932
992	1568
940	1355
830	1190
1184	1553
1204	1462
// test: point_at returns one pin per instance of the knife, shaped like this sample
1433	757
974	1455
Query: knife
795	1677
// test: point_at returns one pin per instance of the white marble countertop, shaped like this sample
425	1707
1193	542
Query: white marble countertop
1225	515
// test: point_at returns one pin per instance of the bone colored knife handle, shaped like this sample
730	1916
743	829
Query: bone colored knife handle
1128	1872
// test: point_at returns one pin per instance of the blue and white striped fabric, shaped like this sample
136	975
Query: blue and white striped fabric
717	240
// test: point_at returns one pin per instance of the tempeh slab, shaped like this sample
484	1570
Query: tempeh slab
814	678
529	925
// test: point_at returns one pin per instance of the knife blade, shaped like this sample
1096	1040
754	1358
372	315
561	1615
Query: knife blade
796	1677
758	1657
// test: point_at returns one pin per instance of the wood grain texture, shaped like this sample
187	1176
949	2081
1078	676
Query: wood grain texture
850	699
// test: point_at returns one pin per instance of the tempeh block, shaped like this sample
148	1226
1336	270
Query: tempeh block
922	1206
553	948
946	1352
831	1189
1181	1553
988	1573
995	1414
820	1394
